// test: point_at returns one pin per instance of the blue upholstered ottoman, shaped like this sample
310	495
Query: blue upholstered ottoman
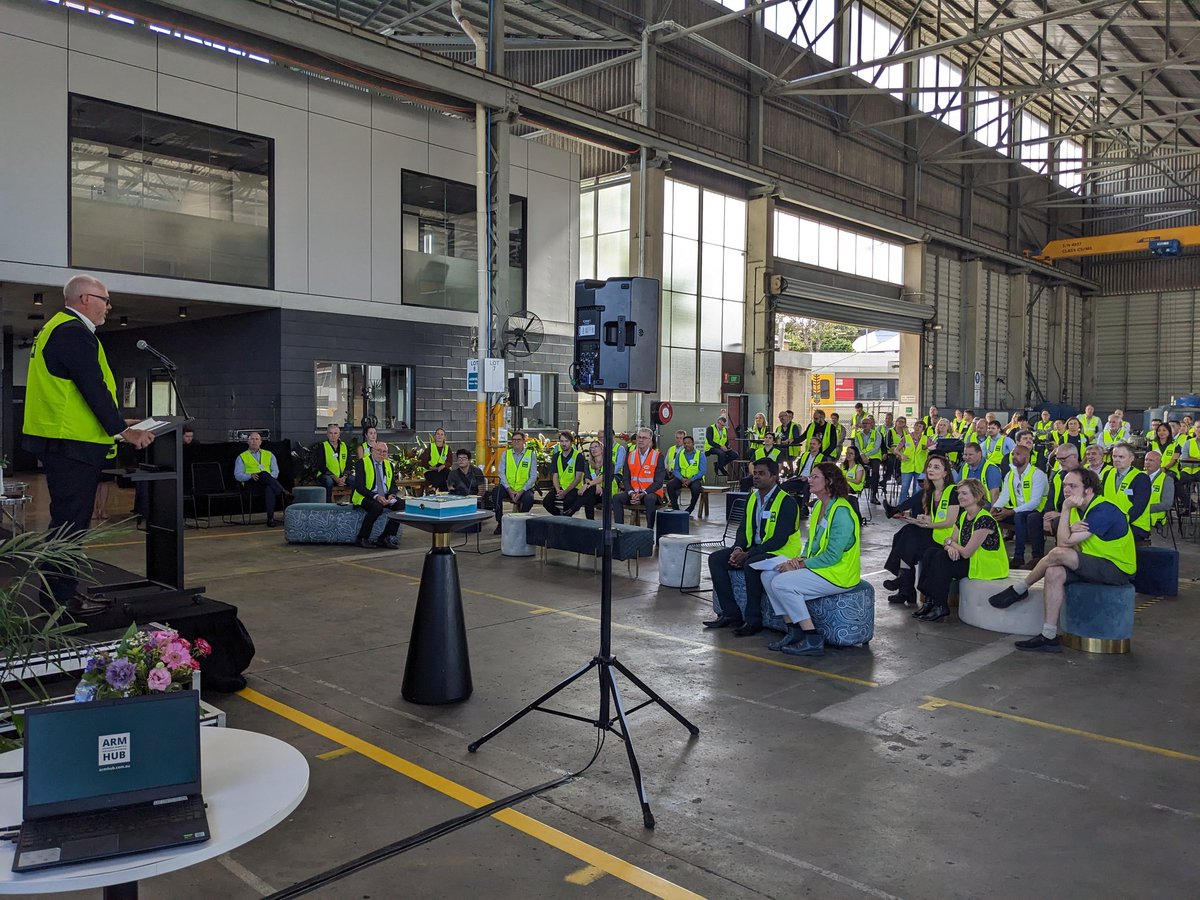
1097	618
1157	572
843	619
733	498
670	521
326	523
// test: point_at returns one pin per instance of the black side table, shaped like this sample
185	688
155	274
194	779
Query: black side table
439	667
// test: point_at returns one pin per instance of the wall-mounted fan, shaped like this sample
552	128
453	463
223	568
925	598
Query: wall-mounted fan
523	334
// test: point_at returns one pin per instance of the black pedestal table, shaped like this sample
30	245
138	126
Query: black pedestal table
439	668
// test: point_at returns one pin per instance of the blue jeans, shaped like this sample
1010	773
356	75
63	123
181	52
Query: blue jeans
908	485
1028	524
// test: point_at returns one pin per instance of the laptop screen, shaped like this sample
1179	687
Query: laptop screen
106	753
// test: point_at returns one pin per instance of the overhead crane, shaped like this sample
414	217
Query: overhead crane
1160	242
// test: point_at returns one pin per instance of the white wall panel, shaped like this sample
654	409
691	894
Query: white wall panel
338	102
390	154
548	160
109	80
197	63
192	100
38	23
33	146
518	153
452	164
272	83
339	208
399	118
549	246
454	134
110	40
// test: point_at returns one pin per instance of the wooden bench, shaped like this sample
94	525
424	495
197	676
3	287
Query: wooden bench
702	506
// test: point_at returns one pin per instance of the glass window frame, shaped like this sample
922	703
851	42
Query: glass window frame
322	420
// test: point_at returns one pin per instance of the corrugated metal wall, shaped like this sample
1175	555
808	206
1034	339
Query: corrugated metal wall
1037	339
1071	361
995	352
943	288
1145	348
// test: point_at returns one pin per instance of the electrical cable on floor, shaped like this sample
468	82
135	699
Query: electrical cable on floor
430	834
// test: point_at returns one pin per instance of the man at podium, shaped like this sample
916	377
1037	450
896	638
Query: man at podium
72	419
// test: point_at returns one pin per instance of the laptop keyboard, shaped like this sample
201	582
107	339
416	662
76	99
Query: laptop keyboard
36	834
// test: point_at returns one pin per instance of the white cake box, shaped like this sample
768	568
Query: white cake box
441	506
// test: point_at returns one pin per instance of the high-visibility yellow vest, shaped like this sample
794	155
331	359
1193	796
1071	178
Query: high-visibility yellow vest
939	513
791	546
763	453
987	565
672	454
438	457
1114	493
914	452
368	484
993	449
1188	447
720	434
597	473
689	469
1121	551
1026	487
1156	488
1043	430
791	432
252	466
1089	425
517	472
335	461
566	474
856	478
985	467
866	439
54	407
847	571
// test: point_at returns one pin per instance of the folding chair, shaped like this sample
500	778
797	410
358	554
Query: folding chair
208	484
737	516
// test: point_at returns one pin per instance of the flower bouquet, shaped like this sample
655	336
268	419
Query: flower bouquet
145	662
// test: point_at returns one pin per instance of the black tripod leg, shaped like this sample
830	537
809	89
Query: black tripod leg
532	706
641	686
611	685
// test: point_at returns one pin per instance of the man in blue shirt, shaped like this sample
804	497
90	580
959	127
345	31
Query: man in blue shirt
975	467
259	469
518	474
690	468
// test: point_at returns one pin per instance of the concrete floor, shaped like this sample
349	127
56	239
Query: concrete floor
938	763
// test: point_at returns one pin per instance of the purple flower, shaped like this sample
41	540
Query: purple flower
120	674
162	638
176	655
92	665
159	679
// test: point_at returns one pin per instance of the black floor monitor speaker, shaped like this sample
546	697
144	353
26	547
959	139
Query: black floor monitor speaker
616	335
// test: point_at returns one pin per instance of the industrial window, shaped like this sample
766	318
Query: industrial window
876	389
829	247
604	231
539	400
1069	170
158	195
992	121
944	104
1035	146
358	394
873	37
440	250
808	24
703	298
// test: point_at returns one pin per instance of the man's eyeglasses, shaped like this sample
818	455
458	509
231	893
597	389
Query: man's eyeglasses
107	300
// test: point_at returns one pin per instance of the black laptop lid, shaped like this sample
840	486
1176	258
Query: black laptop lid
81	757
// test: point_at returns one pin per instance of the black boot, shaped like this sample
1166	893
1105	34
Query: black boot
904	585
936	614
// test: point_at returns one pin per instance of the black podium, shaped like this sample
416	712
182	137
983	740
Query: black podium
161	470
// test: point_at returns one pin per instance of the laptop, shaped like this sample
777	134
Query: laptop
109	778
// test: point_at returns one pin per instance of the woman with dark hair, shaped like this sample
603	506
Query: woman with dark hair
829	563
1075	435
974	549
935	522
1169	446
854	469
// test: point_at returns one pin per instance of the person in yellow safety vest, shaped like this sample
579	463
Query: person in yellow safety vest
566	476
1103	552
839	433
674	450
334	461
1058	432
760	429
974	549
975	466
369	436
1036	456
376	492
912	451
1066	459
829	563
1129	490
803	467
996	446
1113	434
257	468
72	419
787	436
645	475
869	441
935	513
1125	429
770	528
1089	424
1044	427
856	420
889	431
931	419
1162	489
437	460
689	470
1188	428
717	444
591	492
854	470
767	450
1023	500
821	430
518	472
941	432
1168	446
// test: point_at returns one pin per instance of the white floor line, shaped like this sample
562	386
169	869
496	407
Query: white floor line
245	875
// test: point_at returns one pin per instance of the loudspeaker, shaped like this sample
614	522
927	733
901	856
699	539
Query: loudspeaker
616	335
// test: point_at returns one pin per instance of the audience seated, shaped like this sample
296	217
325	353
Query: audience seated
566	475
672	453
1129	490
464	479
1114	433
1066	458
258	469
591	492
766	449
376	493
716	444
1022	500
930	527
437	462
802	467
996	446
644	477
518	475
1162	489
868	439
690	468
974	466
335	465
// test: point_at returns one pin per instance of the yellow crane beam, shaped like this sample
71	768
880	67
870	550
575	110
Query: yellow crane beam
1120	242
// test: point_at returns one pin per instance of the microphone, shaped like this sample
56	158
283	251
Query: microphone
142	345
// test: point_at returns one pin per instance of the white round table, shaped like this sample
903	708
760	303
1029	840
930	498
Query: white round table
250	781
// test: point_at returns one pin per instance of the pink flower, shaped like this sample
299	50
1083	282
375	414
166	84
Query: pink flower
159	679
176	656
161	639
202	647
195	664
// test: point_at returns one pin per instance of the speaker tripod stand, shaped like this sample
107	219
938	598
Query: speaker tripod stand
612	717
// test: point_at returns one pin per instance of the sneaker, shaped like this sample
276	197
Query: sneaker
1041	643
1006	598
812	644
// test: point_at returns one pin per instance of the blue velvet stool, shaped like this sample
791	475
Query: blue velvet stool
1097	618
843	619
670	521
1157	571
734	497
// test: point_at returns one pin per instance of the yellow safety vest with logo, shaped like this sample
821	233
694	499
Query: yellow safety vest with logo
939	513
1026	486
1156	489
762	453
720	434
847	571
369	480
253	466
993	449
865	439
1089	425
1174	448
856	478
54	407
1043	430
1188	447
594	474
791	547
914	452
1121	551
438	457
986	565
566	474
1115	494
965	472
672	453
517	472
335	462
787	432
689	469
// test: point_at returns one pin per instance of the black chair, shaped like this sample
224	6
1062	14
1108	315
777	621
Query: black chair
737	517
208	484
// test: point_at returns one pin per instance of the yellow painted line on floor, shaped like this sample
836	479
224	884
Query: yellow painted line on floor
636	629
572	846
584	876
194	537
934	703
334	754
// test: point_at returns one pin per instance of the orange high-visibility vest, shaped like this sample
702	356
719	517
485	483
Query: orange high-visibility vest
641	474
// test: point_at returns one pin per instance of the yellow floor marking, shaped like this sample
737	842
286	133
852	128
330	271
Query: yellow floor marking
584	876
939	703
538	608
572	846
334	754
194	537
